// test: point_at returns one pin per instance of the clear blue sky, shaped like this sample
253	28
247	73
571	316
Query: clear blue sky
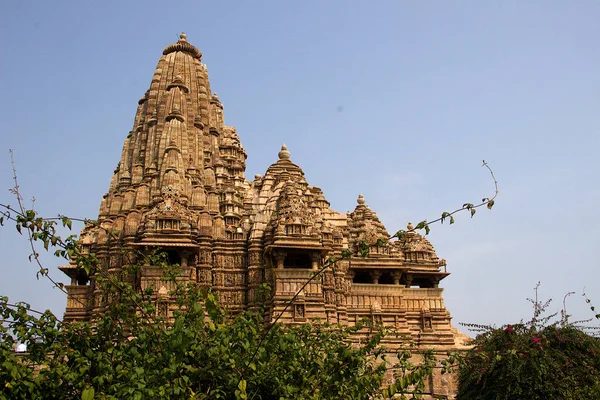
399	100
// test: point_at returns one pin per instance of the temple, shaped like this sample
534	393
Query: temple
180	187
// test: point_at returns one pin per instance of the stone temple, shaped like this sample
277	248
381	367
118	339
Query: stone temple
180	187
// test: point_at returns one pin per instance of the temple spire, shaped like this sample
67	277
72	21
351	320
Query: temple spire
179	157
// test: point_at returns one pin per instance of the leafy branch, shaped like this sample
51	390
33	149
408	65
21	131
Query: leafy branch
588	301
327	263
45	230
23	217
488	202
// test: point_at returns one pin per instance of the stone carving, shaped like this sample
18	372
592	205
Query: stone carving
180	186
299	311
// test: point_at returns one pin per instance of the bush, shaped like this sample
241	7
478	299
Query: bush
523	362
200	354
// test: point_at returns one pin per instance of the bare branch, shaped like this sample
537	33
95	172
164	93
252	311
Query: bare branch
35	254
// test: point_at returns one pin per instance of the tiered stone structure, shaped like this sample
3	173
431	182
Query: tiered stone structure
180	187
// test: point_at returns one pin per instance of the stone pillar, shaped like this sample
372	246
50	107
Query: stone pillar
375	275
280	258
409	279
315	258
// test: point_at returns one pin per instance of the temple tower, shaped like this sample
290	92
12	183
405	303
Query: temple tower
180	188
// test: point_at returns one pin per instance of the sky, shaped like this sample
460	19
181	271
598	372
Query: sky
397	100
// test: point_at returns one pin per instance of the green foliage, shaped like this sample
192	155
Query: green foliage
592	308
400	234
363	248
445	215
201	354
409	378
423	225
524	362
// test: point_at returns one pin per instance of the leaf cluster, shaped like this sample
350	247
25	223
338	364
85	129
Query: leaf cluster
200	353
410	377
522	361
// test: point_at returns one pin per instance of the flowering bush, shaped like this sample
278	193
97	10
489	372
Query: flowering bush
523	361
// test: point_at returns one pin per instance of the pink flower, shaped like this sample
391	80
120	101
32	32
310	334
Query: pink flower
536	340
509	329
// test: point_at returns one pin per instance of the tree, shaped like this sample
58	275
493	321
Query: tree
532	360
199	354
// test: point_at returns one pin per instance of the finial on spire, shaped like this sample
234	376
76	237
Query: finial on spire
184	46
361	199
284	154
410	226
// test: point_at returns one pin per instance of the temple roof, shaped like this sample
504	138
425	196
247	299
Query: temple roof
180	179
184	46
364	224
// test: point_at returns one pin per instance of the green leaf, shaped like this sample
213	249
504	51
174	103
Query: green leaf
87	394
490	204
473	211
67	222
400	234
363	248
451	220
423	225
445	215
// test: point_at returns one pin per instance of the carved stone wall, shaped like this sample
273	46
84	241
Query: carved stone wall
180	187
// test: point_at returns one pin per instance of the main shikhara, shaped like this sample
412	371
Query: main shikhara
180	187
